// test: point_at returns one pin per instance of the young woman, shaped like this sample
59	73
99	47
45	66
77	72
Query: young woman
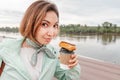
32	57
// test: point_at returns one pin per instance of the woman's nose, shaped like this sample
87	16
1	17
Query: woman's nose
51	32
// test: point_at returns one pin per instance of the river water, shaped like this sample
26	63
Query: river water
100	47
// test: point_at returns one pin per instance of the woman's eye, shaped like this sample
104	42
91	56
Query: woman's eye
44	25
56	26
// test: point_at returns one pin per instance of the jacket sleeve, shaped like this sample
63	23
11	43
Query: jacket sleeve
0	55
0	61
68	74
2	45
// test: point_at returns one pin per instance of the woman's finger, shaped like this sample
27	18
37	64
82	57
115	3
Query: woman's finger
73	64
74	58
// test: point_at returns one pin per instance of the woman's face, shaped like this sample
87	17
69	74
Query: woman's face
48	29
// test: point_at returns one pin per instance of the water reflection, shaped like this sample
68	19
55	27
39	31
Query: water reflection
104	39
108	38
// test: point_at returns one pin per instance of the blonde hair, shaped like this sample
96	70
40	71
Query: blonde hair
34	16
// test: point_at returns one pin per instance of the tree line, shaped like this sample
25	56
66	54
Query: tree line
105	27
9	29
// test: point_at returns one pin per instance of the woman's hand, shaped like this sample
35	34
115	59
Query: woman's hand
74	61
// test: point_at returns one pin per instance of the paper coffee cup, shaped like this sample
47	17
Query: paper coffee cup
65	56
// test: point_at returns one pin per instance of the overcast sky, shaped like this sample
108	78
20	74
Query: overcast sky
90	12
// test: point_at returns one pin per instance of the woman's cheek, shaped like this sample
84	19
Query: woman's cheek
56	33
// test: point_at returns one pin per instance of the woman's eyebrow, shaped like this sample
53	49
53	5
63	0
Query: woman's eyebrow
49	21
46	21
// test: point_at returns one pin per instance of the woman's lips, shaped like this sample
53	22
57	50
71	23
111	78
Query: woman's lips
48	39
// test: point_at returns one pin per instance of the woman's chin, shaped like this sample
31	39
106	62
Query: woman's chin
47	42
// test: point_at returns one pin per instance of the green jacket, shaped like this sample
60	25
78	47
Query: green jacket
16	70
